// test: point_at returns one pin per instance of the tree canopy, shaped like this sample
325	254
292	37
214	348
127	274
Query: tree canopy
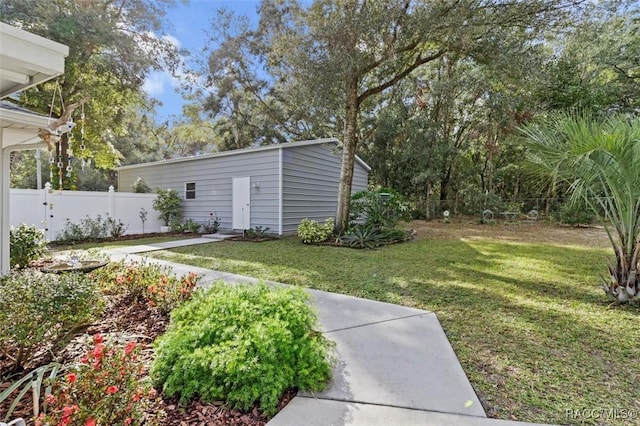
112	47
332	61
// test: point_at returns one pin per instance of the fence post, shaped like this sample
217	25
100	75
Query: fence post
48	212
112	204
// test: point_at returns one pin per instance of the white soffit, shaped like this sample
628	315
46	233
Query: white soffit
27	59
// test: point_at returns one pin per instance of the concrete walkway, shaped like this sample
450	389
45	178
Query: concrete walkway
395	365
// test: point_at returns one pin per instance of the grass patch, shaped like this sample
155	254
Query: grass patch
528	321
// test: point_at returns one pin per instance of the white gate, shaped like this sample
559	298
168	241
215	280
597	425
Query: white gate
241	203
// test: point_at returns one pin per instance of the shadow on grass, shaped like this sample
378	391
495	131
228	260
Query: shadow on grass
532	329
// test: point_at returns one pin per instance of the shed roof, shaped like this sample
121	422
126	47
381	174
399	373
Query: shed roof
245	151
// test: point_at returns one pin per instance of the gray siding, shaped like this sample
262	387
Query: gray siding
310	179
213	177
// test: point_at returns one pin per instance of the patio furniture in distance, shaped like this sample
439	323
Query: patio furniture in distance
532	216
487	216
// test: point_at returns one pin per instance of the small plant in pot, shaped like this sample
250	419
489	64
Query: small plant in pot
169	206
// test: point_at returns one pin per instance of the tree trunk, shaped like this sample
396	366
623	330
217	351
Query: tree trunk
492	148
427	209
444	188
350	142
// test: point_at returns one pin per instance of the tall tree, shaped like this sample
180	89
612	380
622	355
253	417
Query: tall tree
596	65
354	50
112	46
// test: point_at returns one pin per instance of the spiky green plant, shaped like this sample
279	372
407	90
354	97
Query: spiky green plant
599	160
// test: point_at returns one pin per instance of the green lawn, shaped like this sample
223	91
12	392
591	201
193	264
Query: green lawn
530	326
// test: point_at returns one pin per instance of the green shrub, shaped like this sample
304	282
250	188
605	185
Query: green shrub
90	229
26	243
187	226
311	231
140	186
394	235
213	224
94	229
382	208
475	202
575	214
116	228
70	232
257	232
37	308
244	344
169	206
363	237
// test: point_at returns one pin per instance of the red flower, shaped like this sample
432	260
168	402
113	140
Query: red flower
98	351
112	389
97	338
72	377
67	412
90	422
130	347
128	421
50	399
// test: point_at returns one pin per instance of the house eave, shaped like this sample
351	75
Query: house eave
27	59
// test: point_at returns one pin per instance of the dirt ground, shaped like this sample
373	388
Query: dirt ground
517	231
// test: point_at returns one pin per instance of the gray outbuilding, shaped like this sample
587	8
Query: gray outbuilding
274	186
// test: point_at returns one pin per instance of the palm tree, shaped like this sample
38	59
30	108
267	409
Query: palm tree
599	160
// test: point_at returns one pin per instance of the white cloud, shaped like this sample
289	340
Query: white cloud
157	82
171	39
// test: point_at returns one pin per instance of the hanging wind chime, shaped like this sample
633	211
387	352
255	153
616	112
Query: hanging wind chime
52	136
83	147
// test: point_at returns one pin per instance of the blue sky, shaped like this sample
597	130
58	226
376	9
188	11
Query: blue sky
189	25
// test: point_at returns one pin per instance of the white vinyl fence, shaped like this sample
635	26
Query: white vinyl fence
49	209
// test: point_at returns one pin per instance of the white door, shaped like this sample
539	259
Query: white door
241	199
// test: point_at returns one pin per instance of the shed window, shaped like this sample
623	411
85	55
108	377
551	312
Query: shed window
190	191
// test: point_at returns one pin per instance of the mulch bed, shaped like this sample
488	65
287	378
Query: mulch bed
136	319
183	235
252	239
128	237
